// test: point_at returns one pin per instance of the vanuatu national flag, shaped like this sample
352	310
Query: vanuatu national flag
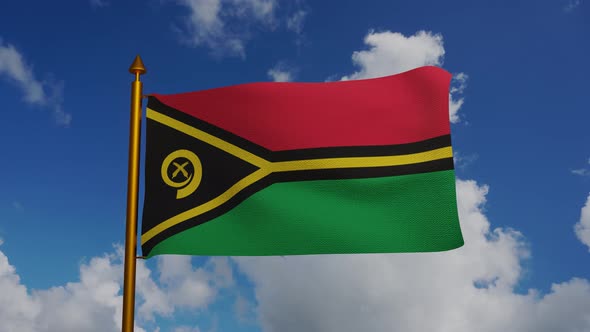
361	166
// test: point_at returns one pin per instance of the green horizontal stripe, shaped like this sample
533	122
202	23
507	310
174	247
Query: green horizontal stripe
409	213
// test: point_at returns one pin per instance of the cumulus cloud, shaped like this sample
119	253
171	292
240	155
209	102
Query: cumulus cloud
45	94
279	75
221	25
392	53
468	289
91	304
94	303
472	288
193	287
582	228
18	308
281	72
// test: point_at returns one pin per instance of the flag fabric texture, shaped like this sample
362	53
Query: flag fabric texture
257	169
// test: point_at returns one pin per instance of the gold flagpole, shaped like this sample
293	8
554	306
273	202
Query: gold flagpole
137	68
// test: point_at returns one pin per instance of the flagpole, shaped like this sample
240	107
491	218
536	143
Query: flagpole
137	68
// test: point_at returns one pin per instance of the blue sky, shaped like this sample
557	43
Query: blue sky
520	134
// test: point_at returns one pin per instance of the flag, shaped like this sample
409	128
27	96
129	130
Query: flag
362	166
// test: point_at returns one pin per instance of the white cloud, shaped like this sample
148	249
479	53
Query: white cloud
279	76
462	161
185	286
468	289
154	299
221	25
282	72
571	5
13	66
458	85
295	21
392	53
244	310
94	303
582	228
98	3
581	171
472	288
222	273
18	309
191	287
44	94
262	10
204	26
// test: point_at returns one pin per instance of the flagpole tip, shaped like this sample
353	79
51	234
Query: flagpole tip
137	66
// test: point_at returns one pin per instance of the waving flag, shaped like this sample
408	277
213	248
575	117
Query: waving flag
361	166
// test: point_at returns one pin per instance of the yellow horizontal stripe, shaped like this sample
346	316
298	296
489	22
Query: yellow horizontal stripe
360	162
210	205
207	138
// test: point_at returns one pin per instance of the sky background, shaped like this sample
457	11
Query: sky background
519	113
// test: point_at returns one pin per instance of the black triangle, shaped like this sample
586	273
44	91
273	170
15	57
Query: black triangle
220	171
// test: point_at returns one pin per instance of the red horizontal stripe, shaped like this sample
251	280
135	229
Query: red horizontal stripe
403	108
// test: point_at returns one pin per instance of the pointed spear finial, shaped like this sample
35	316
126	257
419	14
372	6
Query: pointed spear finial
137	66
